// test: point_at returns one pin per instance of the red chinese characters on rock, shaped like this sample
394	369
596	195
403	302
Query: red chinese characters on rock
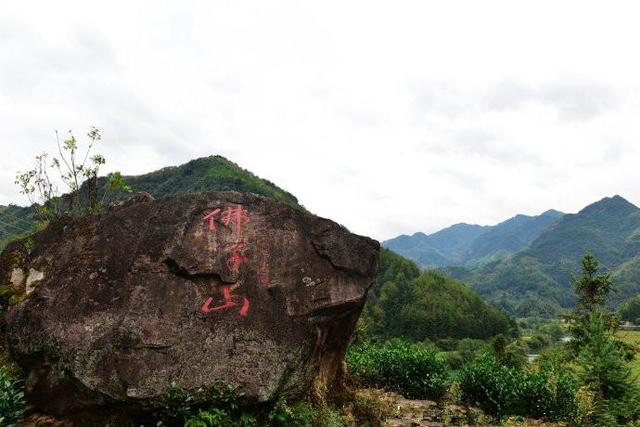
236	257
234	217
211	217
229	302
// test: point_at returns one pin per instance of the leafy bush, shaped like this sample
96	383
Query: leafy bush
211	418
180	405
282	415
219	418
11	400
500	390
413	370
454	359
469	348
538	341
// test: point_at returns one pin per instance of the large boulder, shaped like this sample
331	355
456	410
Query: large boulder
192	291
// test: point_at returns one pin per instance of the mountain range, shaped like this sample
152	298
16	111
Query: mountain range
470	244
533	276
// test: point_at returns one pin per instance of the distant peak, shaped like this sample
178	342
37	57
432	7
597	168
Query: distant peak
552	212
465	225
617	200
614	202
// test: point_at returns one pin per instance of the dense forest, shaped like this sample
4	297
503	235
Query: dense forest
406	302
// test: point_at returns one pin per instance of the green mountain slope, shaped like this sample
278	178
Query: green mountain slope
15	221
468	245
536	281
427	305
214	173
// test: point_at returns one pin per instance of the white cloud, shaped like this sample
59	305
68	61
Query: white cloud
388	117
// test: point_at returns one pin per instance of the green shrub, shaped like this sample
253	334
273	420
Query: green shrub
211	418
181	405
413	370
454	359
501	390
11	400
447	344
538	341
282	415
469	348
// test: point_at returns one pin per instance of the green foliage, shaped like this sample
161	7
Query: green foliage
428	305
592	288
221	406
536	281
16	222
469	348
12	401
114	183
537	342
413	370
210	418
214	173
602	360
509	354
179	404
467	245
603	370
283	415
500	390
630	310
72	167
539	334
215	417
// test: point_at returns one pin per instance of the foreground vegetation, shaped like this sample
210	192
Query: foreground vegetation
586	381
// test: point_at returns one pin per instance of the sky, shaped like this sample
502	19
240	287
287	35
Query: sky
387	117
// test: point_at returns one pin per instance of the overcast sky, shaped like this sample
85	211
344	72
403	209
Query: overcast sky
388	117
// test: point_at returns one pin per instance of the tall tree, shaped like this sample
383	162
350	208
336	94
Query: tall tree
603	370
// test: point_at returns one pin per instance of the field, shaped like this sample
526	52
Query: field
633	338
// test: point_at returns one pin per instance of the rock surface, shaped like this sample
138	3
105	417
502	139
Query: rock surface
188	290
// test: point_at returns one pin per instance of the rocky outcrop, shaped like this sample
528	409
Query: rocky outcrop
188	290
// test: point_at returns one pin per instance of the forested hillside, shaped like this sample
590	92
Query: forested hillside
537	280
214	173
427	305
15	221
